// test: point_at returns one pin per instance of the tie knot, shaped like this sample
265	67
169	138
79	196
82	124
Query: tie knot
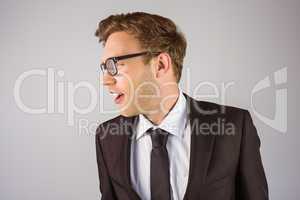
158	136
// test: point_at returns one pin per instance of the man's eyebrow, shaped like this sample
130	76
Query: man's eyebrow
110	58
107	59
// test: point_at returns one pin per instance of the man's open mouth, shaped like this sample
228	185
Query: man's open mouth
118	97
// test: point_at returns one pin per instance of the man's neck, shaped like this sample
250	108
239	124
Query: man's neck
169	102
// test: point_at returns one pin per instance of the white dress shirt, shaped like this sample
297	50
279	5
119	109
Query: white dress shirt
178	146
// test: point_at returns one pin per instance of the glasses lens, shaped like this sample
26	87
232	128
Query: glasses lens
111	67
102	66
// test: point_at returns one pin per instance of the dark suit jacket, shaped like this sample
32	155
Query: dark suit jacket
224	164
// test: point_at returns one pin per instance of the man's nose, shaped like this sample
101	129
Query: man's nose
108	79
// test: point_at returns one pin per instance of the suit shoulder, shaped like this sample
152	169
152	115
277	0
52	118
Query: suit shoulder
221	107
117	126
216	110
105	125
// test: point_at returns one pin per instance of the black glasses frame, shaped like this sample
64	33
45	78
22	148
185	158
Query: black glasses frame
114	71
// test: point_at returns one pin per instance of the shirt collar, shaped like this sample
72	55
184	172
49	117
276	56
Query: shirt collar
174	122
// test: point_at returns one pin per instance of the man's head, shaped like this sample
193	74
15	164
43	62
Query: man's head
144	79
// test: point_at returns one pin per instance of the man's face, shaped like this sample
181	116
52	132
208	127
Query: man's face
134	80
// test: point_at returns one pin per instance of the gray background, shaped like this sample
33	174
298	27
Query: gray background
42	157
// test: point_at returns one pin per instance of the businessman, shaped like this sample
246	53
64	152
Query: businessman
165	144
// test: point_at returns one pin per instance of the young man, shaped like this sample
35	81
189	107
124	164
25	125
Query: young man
165	144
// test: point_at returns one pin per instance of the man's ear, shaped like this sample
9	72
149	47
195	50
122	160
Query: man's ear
163	64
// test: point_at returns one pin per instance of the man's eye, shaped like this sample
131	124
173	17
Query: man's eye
120	64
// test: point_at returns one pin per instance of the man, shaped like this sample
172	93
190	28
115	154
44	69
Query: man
165	144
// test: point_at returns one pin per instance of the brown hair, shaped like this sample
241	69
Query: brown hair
155	33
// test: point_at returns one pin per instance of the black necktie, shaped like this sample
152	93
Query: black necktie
159	174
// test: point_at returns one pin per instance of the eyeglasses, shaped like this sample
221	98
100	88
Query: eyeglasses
110	65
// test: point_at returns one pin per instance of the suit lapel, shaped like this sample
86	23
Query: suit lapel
133	122
121	167
201	145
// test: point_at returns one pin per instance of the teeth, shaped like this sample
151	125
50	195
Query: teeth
114	94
